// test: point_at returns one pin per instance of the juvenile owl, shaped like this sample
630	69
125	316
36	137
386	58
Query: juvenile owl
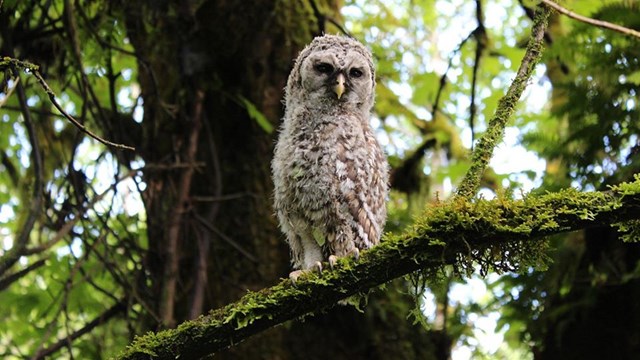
329	172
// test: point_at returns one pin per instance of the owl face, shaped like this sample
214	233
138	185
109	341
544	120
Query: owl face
338	75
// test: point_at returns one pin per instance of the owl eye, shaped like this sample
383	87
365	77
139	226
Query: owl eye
355	73
324	68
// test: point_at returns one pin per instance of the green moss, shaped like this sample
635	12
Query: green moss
498	235
7	62
506	106
502	222
629	230
290	15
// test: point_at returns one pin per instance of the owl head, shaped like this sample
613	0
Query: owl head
333	71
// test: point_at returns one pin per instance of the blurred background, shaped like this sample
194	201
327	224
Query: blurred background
98	243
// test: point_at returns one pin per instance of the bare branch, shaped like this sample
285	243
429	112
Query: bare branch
225	238
480	34
170	275
590	21
11	278
116	309
34	69
35	206
68	226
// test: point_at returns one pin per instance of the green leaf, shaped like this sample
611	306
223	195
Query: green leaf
256	114
634	78
426	87
297	172
318	236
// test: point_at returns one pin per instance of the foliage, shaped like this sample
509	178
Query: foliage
86	284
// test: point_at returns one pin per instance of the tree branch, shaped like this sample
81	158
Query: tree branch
590	21
170	278
506	106
11	278
480	34
35	70
34	208
459	232
116	309
78	215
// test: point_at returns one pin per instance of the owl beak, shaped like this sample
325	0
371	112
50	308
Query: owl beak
339	86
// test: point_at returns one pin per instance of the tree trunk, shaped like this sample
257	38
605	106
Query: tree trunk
212	233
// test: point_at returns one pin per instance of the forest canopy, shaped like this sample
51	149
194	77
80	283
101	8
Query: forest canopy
135	188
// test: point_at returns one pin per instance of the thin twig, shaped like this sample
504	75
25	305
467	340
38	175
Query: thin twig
480	34
200	269
219	198
171	269
173	166
11	278
8	91
225	238
205	237
66	228
34	69
590	21
64	297
411	161
75	122
322	18
71	27
105	44
443	78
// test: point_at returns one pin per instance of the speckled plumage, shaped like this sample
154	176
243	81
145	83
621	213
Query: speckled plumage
330	174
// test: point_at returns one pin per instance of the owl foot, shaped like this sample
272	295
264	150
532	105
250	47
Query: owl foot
333	259
317	267
294	275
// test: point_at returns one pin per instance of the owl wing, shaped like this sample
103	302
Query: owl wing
362	175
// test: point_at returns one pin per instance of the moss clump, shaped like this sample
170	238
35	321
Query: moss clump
629	230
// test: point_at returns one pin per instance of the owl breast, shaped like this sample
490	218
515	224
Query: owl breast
317	172
331	183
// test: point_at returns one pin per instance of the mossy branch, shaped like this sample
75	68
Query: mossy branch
506	107
498	234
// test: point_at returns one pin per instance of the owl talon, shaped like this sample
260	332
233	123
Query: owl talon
333	260
294	275
317	266
355	253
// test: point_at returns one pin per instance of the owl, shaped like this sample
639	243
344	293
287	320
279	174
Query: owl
329	172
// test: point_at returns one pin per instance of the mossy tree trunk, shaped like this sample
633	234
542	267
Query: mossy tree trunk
212	233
